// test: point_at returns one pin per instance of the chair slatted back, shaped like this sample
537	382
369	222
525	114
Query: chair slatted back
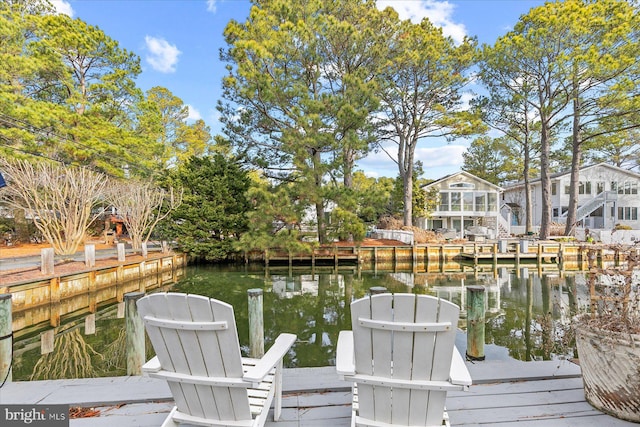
409	337
194	340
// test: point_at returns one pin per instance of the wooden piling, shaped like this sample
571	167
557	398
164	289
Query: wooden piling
121	252
90	324
539	253
90	255
47	341
54	301
6	339
46	261
495	254
475	322
256	323
134	334
145	250
93	301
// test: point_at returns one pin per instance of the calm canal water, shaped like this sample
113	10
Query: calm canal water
526	314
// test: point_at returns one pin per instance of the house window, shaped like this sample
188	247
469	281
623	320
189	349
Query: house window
599	187
480	203
467	199
554	212
614	186
584	187
462	185
627	213
456	200
554	188
567	189
444	201
628	188
492	202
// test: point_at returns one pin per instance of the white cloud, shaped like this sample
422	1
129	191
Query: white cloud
62	7
163	56
193	113
439	13
211	6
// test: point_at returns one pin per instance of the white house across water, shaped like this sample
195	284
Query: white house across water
467	204
607	196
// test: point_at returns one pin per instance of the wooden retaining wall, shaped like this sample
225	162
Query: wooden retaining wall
570	256
53	299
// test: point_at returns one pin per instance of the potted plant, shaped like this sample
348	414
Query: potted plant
608	338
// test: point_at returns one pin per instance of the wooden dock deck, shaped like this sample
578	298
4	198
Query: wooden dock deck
505	393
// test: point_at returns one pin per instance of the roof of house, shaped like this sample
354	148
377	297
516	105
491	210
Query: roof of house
466	174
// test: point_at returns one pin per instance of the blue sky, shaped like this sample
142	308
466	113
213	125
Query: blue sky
179	43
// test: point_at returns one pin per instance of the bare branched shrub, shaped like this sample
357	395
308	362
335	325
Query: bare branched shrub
59	199
141	206
390	223
615	293
556	229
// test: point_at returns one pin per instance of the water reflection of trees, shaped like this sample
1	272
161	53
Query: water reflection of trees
72	357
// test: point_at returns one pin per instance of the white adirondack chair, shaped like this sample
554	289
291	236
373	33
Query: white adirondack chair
198	354
402	359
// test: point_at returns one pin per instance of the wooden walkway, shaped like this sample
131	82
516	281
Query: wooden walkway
505	393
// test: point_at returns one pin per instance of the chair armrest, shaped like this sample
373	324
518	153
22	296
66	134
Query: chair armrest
152	366
345	355
271	358
459	373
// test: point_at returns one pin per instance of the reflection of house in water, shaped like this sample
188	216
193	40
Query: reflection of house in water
313	286
452	287
304	284
549	293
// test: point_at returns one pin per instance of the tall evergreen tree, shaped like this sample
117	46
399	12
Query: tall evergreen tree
213	213
300	91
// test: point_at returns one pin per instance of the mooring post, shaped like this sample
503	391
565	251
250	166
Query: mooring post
145	250
256	323
134	333
475	322
46	261
375	290
90	255
6	338
121	252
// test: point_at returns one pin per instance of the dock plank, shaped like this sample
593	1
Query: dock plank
504	394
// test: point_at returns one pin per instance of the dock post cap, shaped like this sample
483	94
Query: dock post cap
133	295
